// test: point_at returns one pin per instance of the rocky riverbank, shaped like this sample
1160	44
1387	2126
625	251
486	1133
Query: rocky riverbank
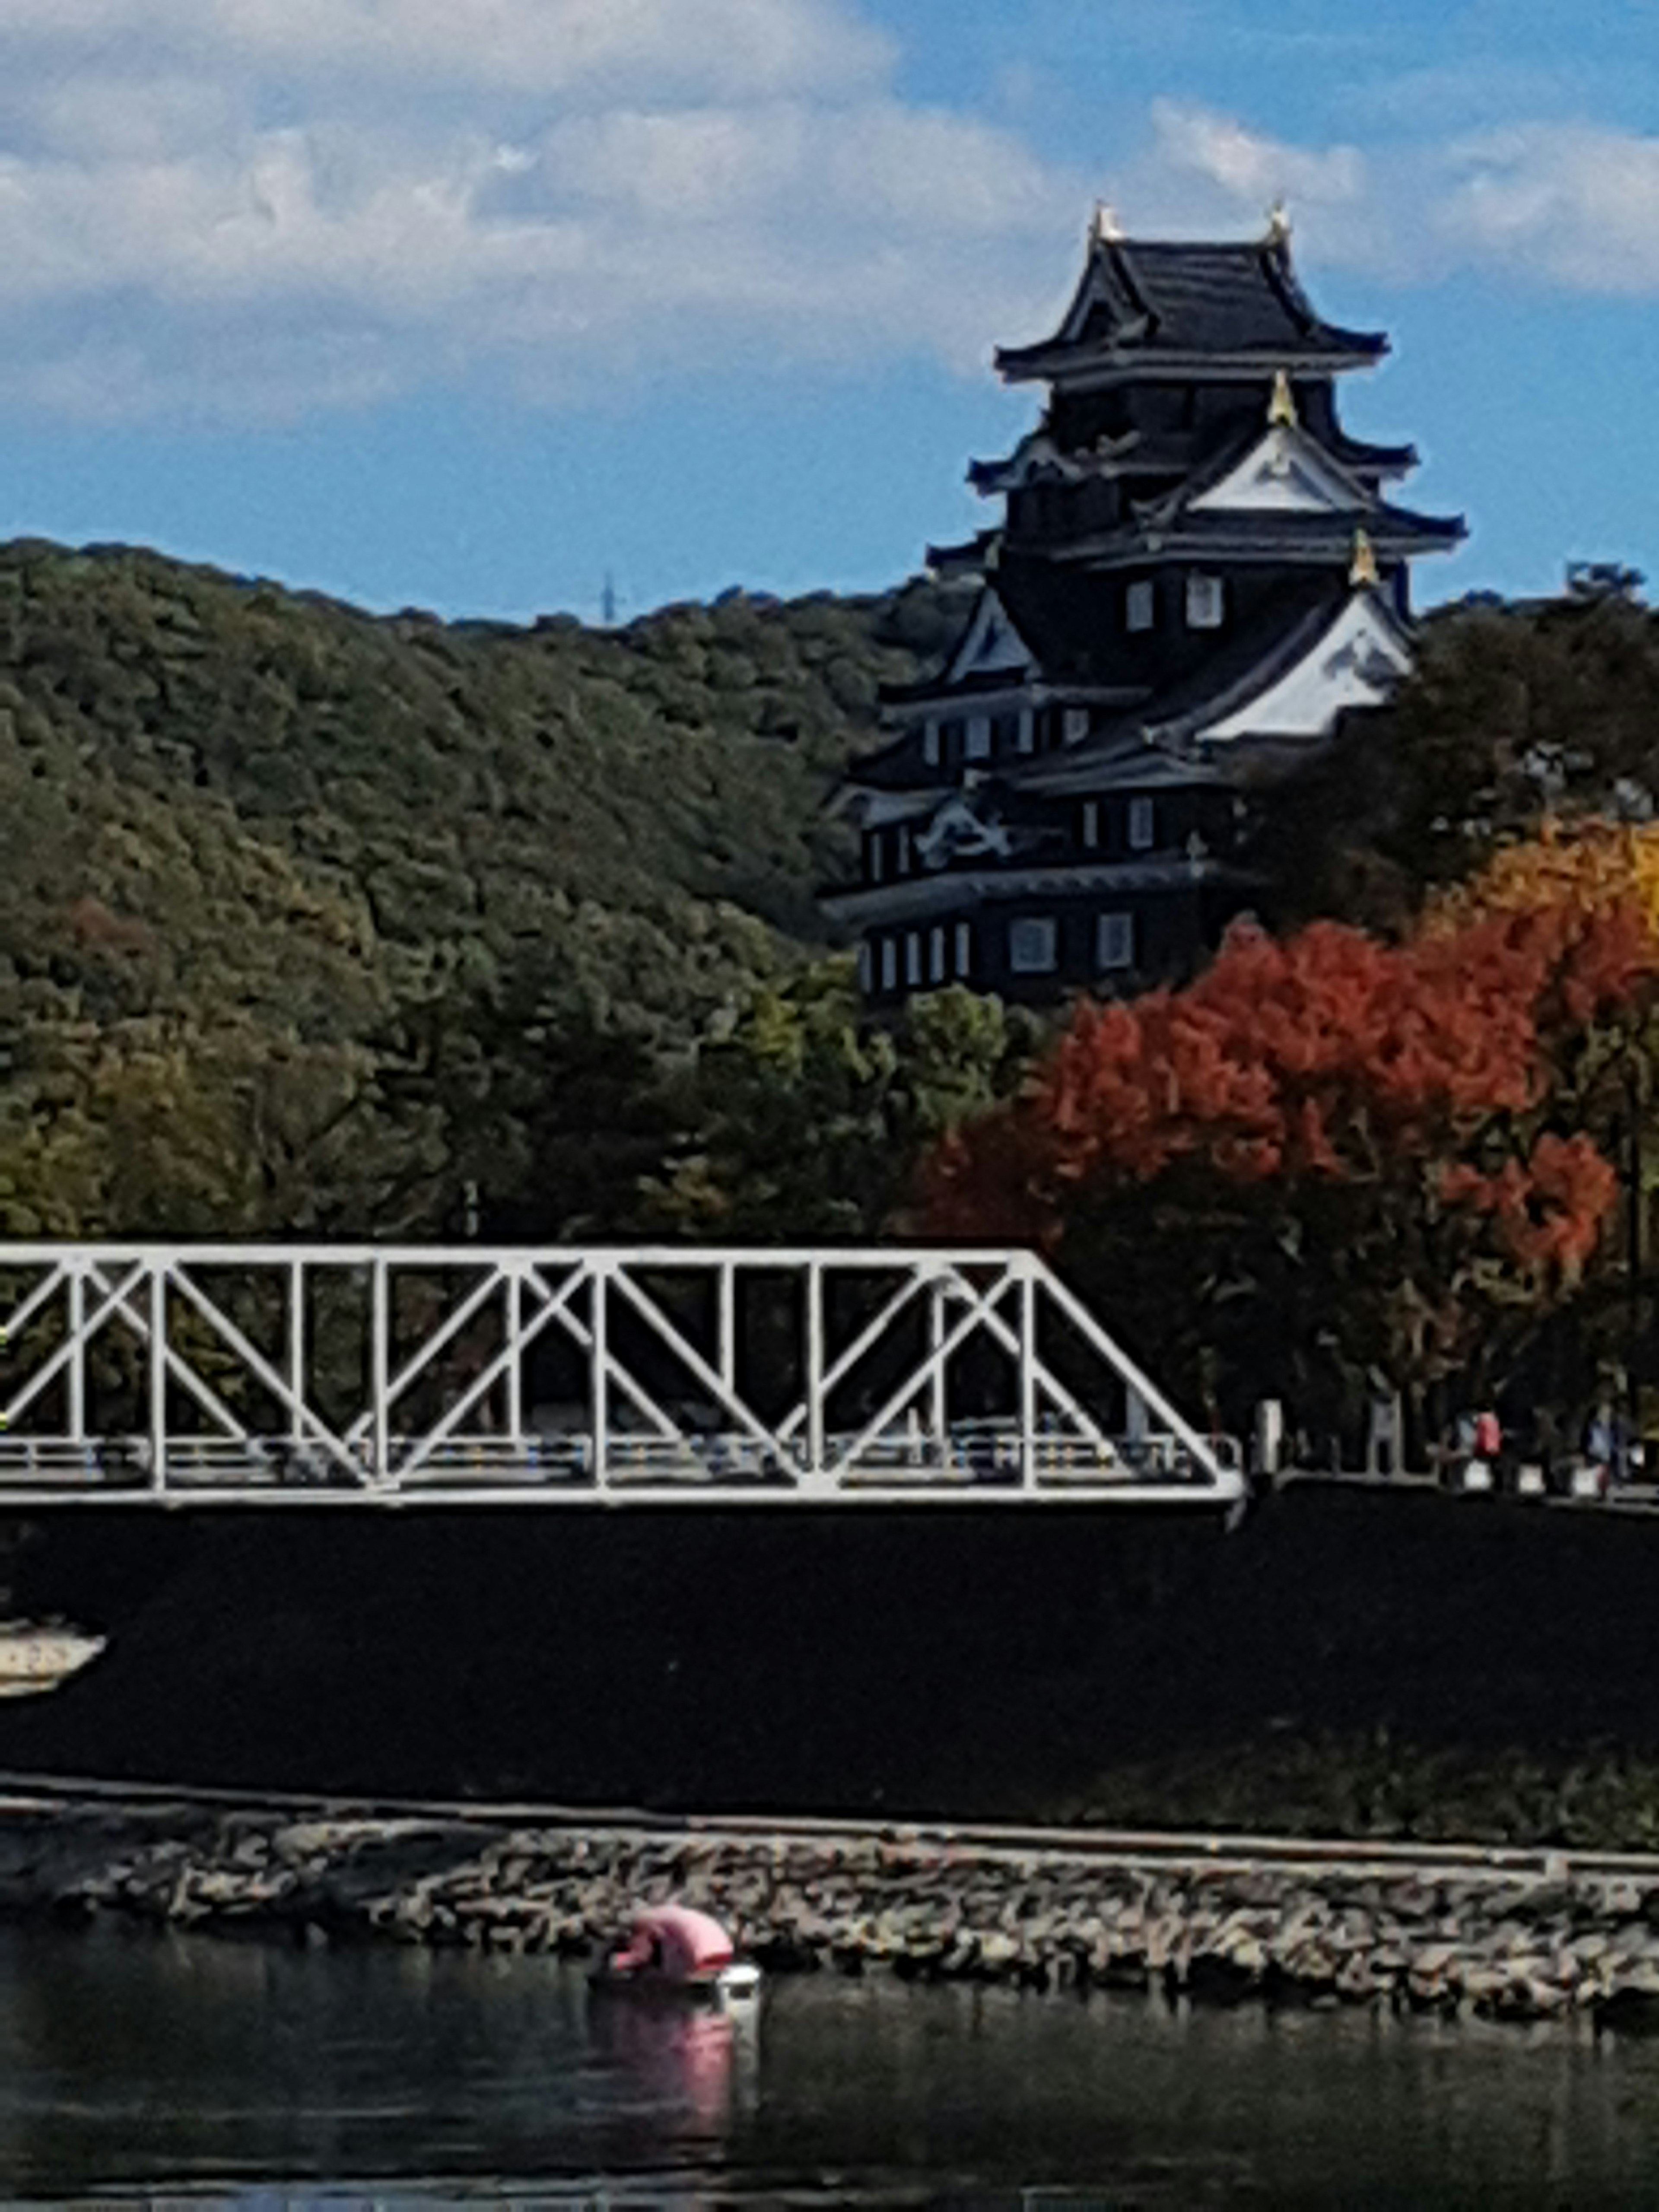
1507	1944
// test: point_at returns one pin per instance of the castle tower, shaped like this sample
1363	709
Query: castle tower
1197	571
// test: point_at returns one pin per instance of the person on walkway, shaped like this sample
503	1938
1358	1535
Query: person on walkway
1603	1446
1488	1440
1383	1426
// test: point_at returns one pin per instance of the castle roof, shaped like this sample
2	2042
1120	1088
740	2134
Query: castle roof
1228	535
1142	304
1039	454
1246	687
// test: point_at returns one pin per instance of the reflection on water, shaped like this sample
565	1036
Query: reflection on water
678	2056
163	2069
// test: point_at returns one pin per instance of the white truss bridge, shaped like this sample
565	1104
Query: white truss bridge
378	1375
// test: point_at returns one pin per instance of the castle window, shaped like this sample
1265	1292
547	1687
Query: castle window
875	856
902	862
913	957
1033	945
1004	730
950	739
1142	825
1026	740
1114	940
1203	603
936	955
888	963
978	738
867	966
1139	610
1075	727
964	948
1090	831
930	743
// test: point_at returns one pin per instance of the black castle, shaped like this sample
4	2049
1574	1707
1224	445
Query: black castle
1197	572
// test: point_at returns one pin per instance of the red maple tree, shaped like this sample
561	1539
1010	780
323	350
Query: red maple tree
1408	1107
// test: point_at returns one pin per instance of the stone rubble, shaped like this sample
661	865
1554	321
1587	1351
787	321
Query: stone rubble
1447	1941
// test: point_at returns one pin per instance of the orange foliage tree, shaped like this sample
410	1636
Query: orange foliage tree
1333	1152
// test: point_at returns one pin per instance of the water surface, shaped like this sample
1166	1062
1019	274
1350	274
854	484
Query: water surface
161	2066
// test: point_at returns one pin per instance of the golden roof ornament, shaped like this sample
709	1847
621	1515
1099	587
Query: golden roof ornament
1279	224
1363	569
1281	408
1104	228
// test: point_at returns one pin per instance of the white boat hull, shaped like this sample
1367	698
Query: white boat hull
736	1984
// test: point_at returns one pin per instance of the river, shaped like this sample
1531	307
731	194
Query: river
160	2067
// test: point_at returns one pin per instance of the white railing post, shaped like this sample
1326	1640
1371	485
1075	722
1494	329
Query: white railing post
1027	1374
380	1356
938	1416
78	1372
727	1331
158	1375
515	1371
296	1348
598	1368
815	1426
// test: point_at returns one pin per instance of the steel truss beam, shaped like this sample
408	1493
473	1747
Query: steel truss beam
376	1374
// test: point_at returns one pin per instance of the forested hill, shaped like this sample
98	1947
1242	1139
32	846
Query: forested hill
314	921
280	875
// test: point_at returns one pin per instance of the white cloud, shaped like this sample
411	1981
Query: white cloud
531	46
1249	167
1566	201
1563	204
807	170
568	189
1216	174
96	118
262	206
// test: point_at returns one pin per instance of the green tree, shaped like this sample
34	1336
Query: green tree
317	919
805	1118
1514	714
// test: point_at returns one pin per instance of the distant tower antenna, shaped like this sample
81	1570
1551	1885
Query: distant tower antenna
608	601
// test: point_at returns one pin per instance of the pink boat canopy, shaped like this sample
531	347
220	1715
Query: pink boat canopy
675	1940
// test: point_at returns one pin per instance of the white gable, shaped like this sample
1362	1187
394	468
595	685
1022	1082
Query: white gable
1356	663
992	647
1029	459
958	831
1284	473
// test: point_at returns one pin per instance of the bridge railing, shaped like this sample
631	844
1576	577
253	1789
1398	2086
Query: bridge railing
373	1373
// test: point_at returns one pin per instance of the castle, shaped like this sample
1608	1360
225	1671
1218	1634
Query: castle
1197	571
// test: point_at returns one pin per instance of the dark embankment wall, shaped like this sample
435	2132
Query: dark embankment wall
941	1661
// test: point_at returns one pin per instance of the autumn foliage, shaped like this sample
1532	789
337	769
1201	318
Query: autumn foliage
1418	1101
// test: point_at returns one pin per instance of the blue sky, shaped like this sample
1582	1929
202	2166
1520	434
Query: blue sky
468	303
